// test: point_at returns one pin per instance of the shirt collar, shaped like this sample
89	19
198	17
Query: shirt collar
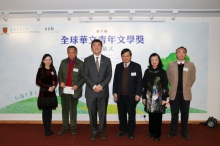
71	61
97	56
127	63
180	62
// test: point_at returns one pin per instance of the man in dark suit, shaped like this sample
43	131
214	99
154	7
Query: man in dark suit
70	74
181	75
127	91
97	75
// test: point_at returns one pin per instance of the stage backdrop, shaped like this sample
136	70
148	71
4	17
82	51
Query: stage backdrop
22	47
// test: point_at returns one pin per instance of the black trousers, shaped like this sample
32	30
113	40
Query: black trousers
155	122
183	105
97	104
47	117
126	107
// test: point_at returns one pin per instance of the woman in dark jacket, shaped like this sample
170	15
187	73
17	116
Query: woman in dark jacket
47	100
154	94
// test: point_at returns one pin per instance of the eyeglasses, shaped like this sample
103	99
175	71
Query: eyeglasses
181	52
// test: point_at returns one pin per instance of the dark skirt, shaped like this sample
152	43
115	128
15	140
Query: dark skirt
47	102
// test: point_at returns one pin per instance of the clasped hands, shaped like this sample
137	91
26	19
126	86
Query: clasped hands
144	102
51	89
98	88
115	97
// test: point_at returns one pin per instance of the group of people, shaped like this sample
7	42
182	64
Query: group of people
128	87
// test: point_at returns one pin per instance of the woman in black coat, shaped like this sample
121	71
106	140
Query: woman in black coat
47	100
154	94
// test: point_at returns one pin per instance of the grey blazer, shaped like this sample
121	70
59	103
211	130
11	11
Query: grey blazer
93	77
77	77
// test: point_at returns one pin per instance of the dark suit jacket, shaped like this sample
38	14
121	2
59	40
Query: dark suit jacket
134	82
93	77
77	77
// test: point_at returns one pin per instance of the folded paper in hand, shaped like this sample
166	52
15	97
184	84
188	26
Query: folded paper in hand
68	90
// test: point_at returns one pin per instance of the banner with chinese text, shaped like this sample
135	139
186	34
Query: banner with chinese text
22	47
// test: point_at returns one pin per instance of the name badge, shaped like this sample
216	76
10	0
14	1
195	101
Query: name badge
75	69
52	73
133	74
185	69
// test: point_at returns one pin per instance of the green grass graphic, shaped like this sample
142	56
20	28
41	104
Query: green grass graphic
29	106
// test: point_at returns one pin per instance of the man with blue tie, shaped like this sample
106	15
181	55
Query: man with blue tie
97	75
127	90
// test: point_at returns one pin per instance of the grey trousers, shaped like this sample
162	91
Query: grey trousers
97	105
69	107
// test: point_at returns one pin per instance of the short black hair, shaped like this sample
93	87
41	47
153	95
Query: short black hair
160	65
72	47
96	40
181	48
126	50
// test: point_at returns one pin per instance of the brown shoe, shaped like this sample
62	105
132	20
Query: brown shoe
63	131
74	131
103	136
93	136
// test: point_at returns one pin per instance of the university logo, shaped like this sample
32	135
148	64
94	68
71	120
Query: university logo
4	30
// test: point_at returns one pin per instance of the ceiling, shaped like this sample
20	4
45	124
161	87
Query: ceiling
189	8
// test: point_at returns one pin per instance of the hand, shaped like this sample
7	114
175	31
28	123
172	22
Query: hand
137	97
97	88
75	87
62	85
144	101
100	86
115	97
163	102
51	89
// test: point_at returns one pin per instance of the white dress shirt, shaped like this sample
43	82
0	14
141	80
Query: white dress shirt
99	59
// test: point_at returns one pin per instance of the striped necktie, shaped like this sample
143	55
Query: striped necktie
97	63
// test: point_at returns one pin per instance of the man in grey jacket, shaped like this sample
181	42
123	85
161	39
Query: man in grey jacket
70	74
97	75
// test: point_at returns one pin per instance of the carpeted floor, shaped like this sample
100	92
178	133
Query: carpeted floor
33	135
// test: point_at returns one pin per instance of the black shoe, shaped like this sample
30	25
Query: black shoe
74	132
157	138
121	134
103	136
186	136
93	136
47	133
62	131
171	134
51	132
131	135
150	135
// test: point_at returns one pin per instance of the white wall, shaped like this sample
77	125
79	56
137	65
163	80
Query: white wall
213	99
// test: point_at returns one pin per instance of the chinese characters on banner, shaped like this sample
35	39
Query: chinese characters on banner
83	39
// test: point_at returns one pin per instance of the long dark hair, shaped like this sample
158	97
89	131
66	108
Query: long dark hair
42	66
160	65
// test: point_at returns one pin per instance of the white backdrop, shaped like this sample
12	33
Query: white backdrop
23	46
